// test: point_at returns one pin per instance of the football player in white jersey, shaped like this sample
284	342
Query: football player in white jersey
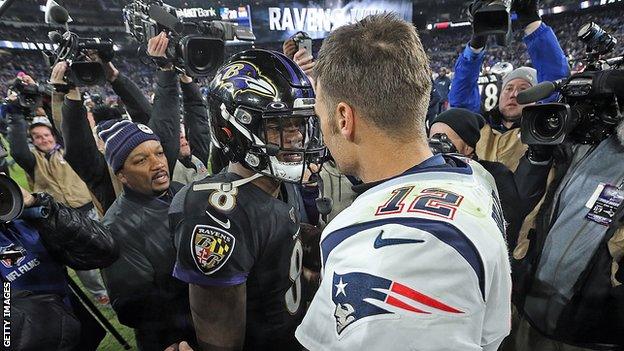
419	260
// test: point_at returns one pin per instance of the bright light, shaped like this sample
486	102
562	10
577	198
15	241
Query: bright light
558	9
585	4
429	26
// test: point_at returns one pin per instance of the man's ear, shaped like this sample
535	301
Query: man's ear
345	119
122	177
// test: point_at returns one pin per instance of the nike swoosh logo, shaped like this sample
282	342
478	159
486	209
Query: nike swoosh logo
225	224
381	242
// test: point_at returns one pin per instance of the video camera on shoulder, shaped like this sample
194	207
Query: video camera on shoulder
589	109
195	48
75	50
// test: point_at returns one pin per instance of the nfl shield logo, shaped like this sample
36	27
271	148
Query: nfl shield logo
211	248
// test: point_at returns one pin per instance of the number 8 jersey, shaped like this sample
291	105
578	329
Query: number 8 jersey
417	262
227	235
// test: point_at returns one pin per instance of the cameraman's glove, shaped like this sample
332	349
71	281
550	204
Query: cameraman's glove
540	154
477	41
527	11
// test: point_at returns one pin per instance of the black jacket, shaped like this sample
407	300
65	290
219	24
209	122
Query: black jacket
81	150
519	192
143	292
137	105
196	121
40	295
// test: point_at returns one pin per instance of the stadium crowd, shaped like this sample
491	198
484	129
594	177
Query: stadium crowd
371	193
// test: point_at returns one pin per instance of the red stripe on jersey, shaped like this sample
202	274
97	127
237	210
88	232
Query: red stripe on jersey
400	304
424	299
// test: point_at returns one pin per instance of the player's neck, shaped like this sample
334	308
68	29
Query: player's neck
386	160
266	184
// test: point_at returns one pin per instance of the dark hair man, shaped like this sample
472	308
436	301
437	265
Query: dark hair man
410	254
237	233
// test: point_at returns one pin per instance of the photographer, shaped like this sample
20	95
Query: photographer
567	271
500	139
35	248
518	191
46	166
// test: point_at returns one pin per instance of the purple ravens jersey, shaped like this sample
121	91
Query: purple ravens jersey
226	235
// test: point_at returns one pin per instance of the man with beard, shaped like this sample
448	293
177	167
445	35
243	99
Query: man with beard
500	138
237	233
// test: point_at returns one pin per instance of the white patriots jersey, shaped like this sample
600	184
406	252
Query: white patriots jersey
418	262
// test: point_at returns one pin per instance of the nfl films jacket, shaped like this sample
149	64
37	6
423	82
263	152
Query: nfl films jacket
40	296
503	145
81	150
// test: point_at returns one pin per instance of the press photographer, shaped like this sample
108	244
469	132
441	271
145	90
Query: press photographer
568	280
500	136
39	238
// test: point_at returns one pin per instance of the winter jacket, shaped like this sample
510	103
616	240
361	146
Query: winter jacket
40	296
143	292
567	270
497	143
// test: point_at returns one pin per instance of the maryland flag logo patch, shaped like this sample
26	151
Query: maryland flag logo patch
211	248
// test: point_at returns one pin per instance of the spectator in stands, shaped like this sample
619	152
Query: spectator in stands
49	172
188	167
442	84
500	140
518	191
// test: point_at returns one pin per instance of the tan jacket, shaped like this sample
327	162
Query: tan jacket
506	148
56	177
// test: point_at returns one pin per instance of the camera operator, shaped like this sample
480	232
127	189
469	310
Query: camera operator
36	247
519	191
46	166
567	271
162	115
500	139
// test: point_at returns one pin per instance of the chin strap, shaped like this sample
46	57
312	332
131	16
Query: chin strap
323	204
226	187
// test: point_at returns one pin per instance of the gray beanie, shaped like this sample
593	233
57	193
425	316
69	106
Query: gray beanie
527	73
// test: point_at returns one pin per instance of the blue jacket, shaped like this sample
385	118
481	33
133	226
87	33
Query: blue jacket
546	55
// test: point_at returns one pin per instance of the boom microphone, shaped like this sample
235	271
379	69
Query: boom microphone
537	93
58	14
165	19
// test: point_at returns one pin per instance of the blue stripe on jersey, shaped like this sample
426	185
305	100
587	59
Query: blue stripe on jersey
194	277
444	231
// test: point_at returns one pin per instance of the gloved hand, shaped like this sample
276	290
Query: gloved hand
540	153
476	41
527	11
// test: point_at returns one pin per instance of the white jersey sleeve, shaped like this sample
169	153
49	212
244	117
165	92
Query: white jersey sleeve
416	263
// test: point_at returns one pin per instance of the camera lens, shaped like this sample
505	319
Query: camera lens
11	200
548	127
202	55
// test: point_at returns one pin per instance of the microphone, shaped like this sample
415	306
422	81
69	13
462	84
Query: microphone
165	19
538	92
55	37
58	14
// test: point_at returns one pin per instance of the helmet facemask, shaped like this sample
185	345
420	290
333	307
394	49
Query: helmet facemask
282	144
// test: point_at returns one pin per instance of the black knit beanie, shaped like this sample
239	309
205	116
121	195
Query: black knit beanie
465	123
